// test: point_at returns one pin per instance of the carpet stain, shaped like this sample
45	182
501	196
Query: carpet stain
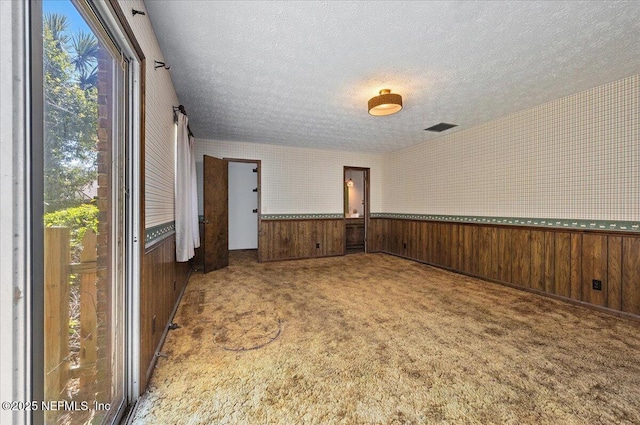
375	339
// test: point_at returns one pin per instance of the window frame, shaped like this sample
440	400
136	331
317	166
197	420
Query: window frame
110	17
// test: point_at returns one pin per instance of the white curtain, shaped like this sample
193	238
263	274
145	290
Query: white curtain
186	199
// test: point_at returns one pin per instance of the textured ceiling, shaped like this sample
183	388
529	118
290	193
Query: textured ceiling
300	73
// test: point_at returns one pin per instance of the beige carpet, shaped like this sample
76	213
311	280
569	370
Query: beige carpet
374	339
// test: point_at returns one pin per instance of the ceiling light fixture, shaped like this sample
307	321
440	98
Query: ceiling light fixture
350	183
385	104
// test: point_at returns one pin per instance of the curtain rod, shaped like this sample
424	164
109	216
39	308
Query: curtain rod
184	112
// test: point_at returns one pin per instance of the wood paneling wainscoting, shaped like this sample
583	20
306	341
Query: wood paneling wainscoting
355	233
304	238
161	285
559	262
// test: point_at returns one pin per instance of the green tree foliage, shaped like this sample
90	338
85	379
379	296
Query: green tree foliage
84	60
78	219
71	113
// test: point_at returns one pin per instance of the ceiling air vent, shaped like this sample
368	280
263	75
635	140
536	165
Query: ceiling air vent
438	128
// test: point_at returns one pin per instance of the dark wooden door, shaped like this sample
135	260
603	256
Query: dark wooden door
216	213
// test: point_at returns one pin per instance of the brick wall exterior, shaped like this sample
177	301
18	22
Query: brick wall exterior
104	238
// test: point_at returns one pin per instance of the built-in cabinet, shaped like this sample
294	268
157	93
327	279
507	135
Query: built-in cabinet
354	234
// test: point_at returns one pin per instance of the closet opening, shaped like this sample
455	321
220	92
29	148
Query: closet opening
244	208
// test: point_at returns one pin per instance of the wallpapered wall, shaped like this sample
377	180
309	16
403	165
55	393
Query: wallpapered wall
297	180
576	157
159	128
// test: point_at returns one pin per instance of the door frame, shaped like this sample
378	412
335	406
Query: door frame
259	163
367	205
110	19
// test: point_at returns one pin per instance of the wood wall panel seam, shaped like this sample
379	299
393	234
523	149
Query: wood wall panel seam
562	266
630	290
614	272
576	266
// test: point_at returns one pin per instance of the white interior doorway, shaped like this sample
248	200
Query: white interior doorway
243	204
355	205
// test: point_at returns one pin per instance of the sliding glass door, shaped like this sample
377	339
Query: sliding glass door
86	110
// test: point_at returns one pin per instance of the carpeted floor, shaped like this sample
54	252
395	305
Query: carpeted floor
374	339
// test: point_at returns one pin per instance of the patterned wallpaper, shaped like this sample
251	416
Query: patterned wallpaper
159	128
297	180
577	157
